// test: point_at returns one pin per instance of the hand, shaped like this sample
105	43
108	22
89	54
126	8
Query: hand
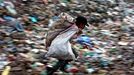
67	17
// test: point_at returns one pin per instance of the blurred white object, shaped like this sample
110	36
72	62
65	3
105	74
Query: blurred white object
60	47
66	17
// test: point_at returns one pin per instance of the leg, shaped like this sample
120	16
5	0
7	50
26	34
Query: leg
59	64
75	53
63	65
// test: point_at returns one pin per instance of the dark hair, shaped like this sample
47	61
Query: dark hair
81	19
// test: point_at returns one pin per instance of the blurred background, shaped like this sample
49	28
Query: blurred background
106	46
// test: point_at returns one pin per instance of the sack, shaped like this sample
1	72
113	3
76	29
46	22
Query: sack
65	21
60	47
57	27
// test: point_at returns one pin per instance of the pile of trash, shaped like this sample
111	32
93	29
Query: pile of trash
105	47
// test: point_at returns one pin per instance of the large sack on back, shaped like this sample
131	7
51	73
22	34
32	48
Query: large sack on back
57	27
60	47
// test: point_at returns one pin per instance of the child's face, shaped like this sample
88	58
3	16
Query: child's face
81	26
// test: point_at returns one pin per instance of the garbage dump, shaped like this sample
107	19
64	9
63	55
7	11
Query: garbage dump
106	46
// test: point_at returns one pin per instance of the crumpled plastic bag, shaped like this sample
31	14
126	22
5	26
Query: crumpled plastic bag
11	10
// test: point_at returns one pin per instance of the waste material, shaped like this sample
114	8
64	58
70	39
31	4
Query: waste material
105	47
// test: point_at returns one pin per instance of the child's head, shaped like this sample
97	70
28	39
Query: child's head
81	22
